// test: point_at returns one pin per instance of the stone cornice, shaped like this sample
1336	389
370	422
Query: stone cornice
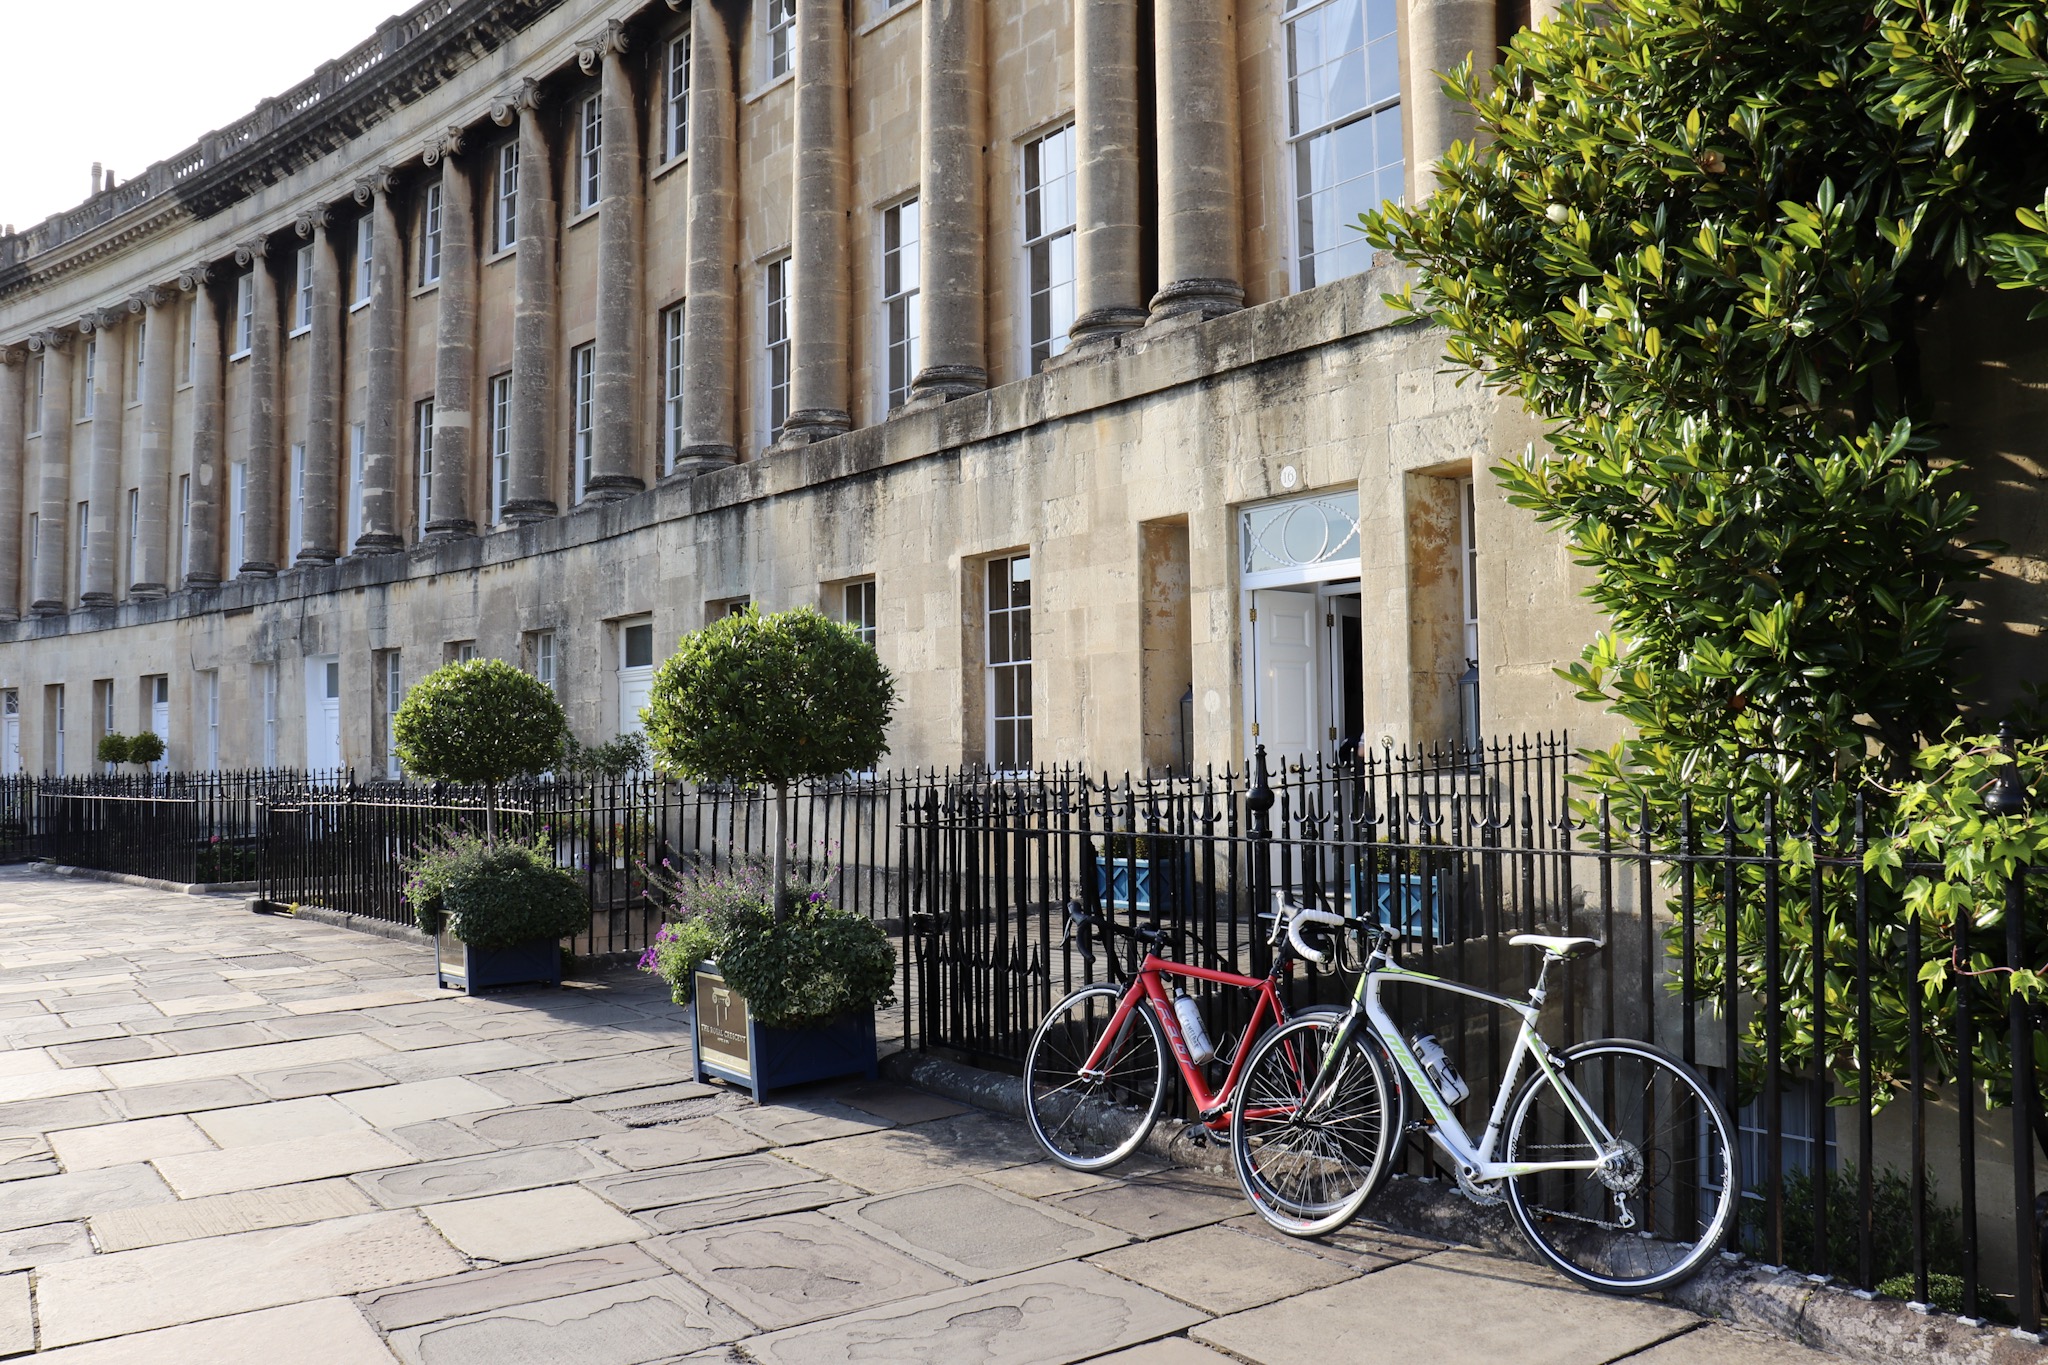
609	41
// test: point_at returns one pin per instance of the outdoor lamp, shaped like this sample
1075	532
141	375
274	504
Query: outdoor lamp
2007	794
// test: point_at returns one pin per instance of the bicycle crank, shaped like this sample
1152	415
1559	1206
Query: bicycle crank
1481	1192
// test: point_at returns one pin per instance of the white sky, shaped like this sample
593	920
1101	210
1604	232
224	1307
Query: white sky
130	82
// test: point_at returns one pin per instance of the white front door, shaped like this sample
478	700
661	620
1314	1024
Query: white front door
323	712
10	733
160	719
636	674
1287	678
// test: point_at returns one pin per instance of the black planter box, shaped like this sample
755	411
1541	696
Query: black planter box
462	967
731	1046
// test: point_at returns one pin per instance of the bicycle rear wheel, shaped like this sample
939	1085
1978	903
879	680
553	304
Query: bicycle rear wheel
1307	1162
1666	1194
1084	1117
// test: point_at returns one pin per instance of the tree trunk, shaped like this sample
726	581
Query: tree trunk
491	813
779	856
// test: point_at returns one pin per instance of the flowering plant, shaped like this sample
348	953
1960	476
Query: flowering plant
813	965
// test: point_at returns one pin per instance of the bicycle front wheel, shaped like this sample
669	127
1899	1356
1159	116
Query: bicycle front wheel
1308	1161
1664	1193
1089	1117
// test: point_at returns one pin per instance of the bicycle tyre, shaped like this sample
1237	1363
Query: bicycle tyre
1309	1178
1680	1186
1086	1124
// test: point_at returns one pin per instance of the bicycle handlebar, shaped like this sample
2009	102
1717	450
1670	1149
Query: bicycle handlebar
1299	915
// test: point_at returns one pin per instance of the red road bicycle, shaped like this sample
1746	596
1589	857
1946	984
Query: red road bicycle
1095	1075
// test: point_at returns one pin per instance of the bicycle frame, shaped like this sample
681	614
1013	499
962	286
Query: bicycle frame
1475	1159
1213	1106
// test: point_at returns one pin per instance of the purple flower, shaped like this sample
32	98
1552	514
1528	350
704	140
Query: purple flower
647	960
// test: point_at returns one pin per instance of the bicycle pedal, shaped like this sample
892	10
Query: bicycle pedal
1198	1134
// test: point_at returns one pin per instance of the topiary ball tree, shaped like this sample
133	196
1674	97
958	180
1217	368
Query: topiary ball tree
772	700
145	748
113	747
483	721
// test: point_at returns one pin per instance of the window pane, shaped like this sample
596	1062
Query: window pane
639	646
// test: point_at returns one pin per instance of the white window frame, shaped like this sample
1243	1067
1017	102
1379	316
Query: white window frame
295	521
141	354
901	319
776	357
671	386
999	616
238	514
134	530
34	425
675	104
245	314
91	363
430	236
589	154
857	608
302	314
84	542
268	735
35	548
191	339
582	414
184	519
544	658
59	690
778	39
366	261
423	464
1050	247
358	438
213	720
1302	257
394	693
498	410
505	201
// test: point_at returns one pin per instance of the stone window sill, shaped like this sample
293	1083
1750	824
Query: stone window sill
297	332
238	355
503	255
786	78
426	289
662	171
889	12
583	216
358	305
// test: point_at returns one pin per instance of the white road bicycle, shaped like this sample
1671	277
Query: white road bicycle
1616	1160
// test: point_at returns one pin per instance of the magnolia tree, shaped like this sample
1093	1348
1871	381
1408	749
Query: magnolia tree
483	721
771	700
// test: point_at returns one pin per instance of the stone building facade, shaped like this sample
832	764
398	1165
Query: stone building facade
1031	336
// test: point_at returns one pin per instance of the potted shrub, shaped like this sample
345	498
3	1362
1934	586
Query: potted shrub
497	910
145	748
793	981
113	749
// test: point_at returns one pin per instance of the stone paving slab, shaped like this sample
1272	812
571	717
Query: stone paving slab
162	1286
975	1232
736	1208
1158	1206
708	1180
198	1174
532	1224
676	1144
222	1214
785	1125
628	1324
1714	1344
1451	1306
17	1316
780	1272
254	1125
60	1198
396	1105
438	1140
325	1078
538	1125
185	1097
26	1248
1219	1270
241	1061
1171	1351
481	1291
924	1154
461	1059
520	1168
119	1144
69	1111
325	1332
1053	1316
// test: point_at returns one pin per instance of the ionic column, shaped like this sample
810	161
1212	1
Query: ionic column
710	345
818	248
103	466
13	474
1107	279
454	344
320	520
382	425
615	379
202	538
1196	58
53	502
1441	34
260	479
533	310
148	576
952	217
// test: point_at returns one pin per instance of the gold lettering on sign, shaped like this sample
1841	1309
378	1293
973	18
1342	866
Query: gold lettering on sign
722	1027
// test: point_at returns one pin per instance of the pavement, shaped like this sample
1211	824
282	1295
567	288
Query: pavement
234	1138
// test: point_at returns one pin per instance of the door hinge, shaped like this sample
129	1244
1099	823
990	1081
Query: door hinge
1255	729
1255	613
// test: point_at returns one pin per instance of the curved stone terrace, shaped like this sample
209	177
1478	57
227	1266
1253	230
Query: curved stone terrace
234	1138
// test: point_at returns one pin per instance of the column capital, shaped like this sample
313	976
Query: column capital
101	319
193	276
609	41
379	181
52	339
448	144
246	252
148	297
13	355
508	105
312	220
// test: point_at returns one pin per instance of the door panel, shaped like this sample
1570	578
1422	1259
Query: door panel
1287	696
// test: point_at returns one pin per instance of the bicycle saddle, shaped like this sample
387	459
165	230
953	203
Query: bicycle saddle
1559	946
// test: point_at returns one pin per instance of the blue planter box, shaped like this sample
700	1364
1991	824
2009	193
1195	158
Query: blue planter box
731	1046
1402	901
1128	883
465	968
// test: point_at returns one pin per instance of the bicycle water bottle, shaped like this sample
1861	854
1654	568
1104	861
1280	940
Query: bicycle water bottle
1438	1068
1200	1049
